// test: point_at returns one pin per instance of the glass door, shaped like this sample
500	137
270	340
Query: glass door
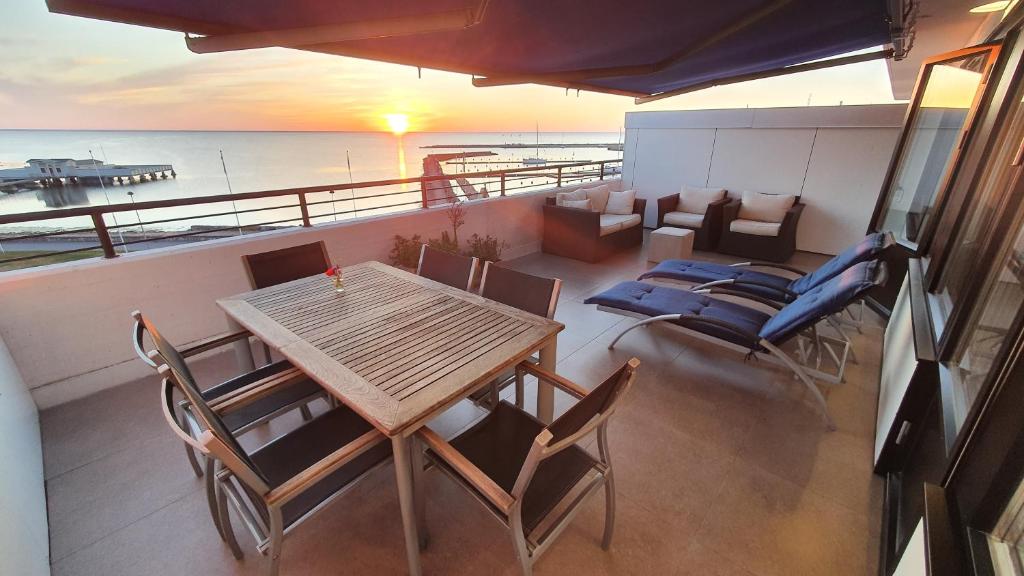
947	94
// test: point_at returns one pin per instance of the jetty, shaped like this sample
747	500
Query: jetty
48	172
440	192
616	146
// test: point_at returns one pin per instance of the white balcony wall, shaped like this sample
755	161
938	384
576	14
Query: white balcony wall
23	524
834	158
68	325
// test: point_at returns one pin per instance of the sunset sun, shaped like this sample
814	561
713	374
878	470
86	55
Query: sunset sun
398	123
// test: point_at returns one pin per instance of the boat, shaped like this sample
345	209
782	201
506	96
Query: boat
536	160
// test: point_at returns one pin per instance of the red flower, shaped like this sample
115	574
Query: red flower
332	271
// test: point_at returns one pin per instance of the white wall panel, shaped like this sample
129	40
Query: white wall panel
843	180
665	160
763	160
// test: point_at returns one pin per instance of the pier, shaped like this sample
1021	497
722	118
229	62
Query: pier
47	172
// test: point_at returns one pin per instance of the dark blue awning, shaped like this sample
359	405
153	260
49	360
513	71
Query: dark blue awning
633	48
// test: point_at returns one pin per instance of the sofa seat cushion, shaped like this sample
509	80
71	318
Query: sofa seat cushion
695	200
755	228
684	219
765	207
611	223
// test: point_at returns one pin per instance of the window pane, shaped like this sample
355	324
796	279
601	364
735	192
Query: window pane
1000	302
932	139
982	209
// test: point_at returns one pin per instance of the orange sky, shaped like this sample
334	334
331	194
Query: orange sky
61	72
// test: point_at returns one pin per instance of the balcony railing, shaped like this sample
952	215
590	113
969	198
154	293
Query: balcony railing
303	207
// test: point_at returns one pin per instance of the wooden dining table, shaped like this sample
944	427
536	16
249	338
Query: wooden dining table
399	350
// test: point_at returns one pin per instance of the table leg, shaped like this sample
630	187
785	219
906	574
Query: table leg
417	490
243	352
546	391
406	498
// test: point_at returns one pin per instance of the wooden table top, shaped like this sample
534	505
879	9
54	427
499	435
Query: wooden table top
395	347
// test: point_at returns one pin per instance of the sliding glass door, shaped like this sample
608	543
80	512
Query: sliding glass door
945	100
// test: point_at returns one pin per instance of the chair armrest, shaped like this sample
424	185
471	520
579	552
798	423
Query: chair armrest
213	342
548	376
792	217
250	393
666	204
639	206
299	483
730	211
467	470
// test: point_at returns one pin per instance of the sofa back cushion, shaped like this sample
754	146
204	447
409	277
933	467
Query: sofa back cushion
620	202
765	207
598	195
695	200
576	195
584	204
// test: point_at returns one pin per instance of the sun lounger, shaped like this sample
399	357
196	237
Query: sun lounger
750	328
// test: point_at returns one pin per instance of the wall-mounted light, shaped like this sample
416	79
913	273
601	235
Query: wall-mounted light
991	7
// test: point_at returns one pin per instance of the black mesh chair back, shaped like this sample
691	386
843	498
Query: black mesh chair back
446	268
187	384
533	294
287	264
599	402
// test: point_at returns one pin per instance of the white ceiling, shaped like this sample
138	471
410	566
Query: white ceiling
942	26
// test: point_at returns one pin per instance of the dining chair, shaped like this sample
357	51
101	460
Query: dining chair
534	294
536	478
447	268
284	482
291	389
284	265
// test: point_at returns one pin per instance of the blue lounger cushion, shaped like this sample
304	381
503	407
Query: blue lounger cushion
821	301
867	249
702	272
747	279
652	300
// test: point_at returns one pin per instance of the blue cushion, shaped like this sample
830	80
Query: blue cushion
651	300
701	272
819	302
866	249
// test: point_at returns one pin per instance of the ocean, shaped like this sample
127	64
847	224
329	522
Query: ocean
263	161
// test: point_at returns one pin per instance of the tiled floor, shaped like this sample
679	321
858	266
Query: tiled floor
724	467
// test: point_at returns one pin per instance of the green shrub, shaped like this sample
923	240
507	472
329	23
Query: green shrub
485	248
405	252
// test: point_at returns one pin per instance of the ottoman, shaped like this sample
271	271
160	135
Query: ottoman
669	243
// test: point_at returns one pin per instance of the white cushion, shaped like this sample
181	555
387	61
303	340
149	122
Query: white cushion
620	202
755	227
584	204
575	195
695	200
614	222
765	207
599	196
684	219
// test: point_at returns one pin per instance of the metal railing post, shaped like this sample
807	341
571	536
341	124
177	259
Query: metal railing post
502	183
602	171
304	209
104	235
559	184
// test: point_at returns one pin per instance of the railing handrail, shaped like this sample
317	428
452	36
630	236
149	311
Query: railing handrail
212	199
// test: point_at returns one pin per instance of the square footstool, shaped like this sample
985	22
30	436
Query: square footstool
669	243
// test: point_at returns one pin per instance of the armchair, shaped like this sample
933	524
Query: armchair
707	227
759	240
